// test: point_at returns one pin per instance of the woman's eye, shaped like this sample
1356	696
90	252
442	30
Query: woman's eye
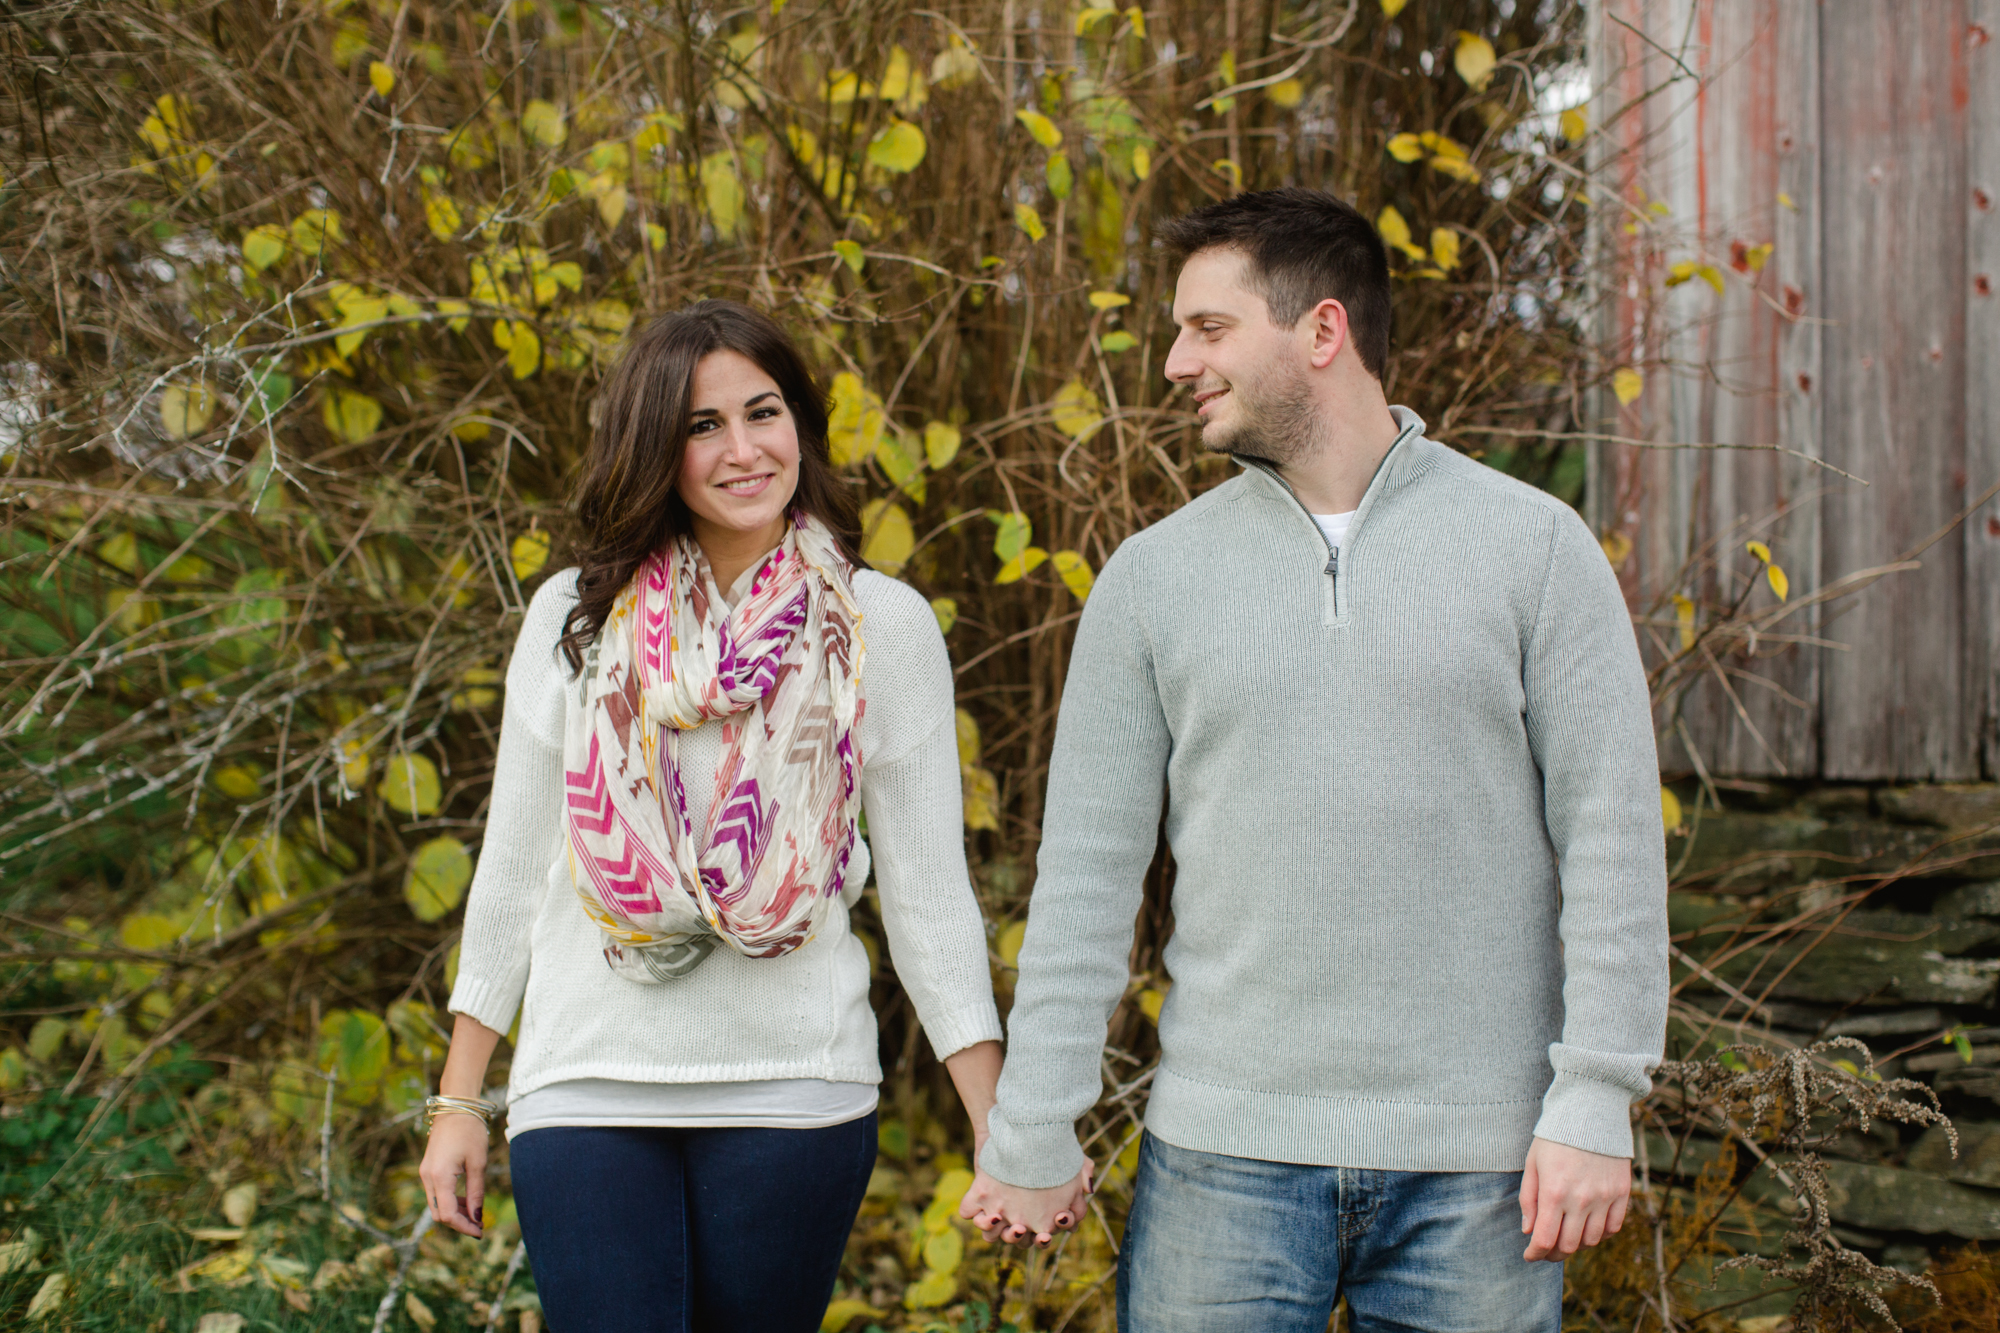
700	427
764	414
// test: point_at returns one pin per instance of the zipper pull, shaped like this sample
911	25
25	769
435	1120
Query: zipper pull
1332	562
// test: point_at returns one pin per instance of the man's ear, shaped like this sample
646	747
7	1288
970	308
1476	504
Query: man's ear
1326	324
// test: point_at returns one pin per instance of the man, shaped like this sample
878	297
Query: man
1394	706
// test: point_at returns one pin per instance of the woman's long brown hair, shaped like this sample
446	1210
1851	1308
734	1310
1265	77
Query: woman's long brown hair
627	505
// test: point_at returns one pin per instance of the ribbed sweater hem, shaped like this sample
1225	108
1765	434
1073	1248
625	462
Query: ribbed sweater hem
870	1072
490	1002
1364	1133
952	1032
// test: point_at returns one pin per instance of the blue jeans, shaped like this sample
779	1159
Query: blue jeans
689	1230
1232	1245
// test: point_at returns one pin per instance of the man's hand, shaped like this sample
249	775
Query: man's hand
1010	1213
1571	1199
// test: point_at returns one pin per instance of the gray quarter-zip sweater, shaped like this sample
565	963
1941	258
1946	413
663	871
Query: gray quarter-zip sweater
1413	799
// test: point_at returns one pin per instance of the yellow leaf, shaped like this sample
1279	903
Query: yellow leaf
1628	384
887	537
410	785
611	205
523	346
263	246
381	78
147	930
1758	549
941	441
955	66
1086	18
722	193
543	122
224	1267
1061	176
1405	148
1711	275
239	1205
529	552
351	416
420	1314
314	229
1391	8
1575	124
1075	409
946	611
1616	547
966	729
1444	248
1021	565
49	1296
1142	161
898	146
944	1251
1786	201
850	254
1008	946
1150	1004
1757	256
1684	618
1287	93
855	423
1109	300
1455	167
895	85
1670	809
1045	131
982	798
121	552
185	410
458	310
237	782
1779	583
354	763
930	1291
1474	60
1076	573
1138	18
1395	231
1028	220
844	86
844	1312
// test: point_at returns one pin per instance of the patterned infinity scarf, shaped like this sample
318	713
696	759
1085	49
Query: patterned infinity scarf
783	670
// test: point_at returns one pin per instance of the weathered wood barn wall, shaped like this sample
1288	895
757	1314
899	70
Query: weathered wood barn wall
1860	141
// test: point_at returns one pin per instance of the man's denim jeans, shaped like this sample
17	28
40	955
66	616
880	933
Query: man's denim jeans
1232	1245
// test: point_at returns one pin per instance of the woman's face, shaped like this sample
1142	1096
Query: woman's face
742	461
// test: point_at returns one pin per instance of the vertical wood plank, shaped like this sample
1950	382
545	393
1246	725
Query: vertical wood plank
1756	713
1982	358
1897	703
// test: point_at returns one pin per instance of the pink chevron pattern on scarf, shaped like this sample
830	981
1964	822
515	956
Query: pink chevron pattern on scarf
783	670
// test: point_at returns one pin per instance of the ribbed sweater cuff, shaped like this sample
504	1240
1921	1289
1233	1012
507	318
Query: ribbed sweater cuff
1034	1157
1584	1113
952	1032
487	1001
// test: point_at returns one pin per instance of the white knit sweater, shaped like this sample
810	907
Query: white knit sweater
528	943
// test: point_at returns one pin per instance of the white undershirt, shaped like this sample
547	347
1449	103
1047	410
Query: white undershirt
1334	526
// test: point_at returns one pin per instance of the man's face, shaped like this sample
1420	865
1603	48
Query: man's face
1248	374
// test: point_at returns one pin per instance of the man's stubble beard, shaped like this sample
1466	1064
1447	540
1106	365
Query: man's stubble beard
1279	420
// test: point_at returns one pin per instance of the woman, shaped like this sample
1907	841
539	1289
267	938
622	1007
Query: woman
695	716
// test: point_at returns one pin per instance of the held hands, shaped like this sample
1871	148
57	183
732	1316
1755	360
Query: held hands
457	1149
1016	1215
1571	1199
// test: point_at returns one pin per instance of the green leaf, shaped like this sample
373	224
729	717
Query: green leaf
410	785
263	246
314	229
898	146
438	875
1014	534
850	254
941	441
1061	177
1118	341
946	611
352	416
1028	220
354	1045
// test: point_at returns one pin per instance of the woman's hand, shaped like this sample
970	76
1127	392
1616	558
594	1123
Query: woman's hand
1015	1215
457	1151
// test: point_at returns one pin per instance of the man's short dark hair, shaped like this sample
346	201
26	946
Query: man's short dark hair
1304	246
